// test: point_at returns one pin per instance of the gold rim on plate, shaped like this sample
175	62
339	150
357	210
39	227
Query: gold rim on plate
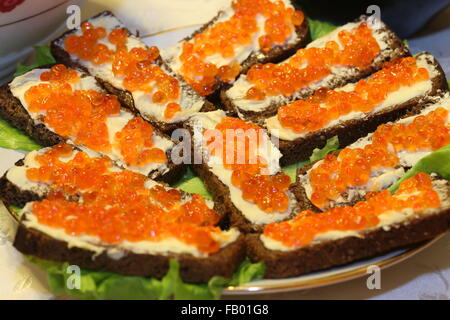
301	283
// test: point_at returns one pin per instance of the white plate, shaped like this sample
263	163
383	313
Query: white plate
31	284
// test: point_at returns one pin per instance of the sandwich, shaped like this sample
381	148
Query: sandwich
88	212
244	34
419	210
376	161
239	165
126	67
354	110
58	104
347	54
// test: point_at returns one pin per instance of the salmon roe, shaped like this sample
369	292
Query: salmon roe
250	171
416	193
358	49
81	115
136	146
138	67
326	105
113	201
354	167
229	37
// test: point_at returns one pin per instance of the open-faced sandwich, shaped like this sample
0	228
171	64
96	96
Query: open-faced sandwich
80	208
58	104
246	33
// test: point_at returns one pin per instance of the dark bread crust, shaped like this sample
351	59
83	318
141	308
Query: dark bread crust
13	112
125	97
12	195
397	49
192	269
351	130
327	254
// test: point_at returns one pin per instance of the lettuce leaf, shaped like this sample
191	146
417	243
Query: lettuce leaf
12	138
332	145
43	57
190	183
436	162
95	285
319	29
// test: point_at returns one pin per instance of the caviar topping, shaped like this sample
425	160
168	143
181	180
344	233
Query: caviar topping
113	201
250	170
226	37
137	66
354	167
416	193
325	105
358	49
81	115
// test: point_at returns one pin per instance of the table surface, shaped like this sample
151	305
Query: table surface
425	276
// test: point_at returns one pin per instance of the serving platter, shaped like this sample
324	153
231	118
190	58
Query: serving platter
164	39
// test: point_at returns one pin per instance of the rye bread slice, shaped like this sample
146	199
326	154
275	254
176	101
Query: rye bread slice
351	130
276	54
125	97
192	269
326	254
13	112
395	49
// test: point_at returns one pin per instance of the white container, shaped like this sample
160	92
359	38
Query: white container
25	23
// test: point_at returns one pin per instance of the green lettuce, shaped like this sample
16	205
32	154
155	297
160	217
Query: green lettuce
12	138
319	29
332	145
190	183
436	162
96	285
43	57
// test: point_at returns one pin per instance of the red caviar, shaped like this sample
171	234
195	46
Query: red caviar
226	37
308	65
325	105
138	66
81	115
416	193
250	171
136	146
115	200
353	167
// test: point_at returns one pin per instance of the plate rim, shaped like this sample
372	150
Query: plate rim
345	275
